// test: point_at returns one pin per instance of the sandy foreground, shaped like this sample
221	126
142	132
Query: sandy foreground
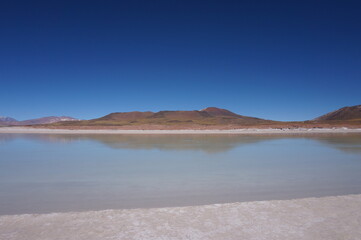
310	218
232	131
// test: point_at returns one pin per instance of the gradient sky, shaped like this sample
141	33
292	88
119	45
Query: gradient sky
281	60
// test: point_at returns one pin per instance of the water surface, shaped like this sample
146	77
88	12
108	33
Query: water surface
41	173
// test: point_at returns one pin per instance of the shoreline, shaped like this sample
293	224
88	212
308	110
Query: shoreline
335	217
181	131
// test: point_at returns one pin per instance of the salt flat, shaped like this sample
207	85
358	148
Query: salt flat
337	217
185	131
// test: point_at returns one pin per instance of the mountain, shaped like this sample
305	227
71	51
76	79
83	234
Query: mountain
205	117
343	114
214	112
47	120
7	121
125	116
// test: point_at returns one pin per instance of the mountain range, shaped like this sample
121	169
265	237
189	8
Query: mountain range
207	117
8	121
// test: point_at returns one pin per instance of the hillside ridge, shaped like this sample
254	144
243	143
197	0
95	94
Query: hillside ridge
345	113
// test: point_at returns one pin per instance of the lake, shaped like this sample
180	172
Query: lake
43	173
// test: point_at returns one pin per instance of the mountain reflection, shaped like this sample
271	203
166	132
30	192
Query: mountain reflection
350	143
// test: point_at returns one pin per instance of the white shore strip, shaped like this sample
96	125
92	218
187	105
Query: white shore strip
232	131
328	218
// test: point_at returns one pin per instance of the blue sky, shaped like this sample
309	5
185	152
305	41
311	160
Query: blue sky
281	60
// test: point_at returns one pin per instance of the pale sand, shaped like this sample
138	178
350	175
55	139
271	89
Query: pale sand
233	131
324	218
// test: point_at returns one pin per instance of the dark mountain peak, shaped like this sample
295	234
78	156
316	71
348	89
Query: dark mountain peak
118	116
180	115
345	113
214	111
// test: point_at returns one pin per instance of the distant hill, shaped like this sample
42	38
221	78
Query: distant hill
47	120
343	114
204	117
8	121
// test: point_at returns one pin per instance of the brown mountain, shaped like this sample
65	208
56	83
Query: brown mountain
211	116
343	114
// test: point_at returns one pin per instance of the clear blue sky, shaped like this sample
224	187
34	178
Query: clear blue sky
281	60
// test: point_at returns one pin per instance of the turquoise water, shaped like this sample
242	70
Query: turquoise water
41	173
